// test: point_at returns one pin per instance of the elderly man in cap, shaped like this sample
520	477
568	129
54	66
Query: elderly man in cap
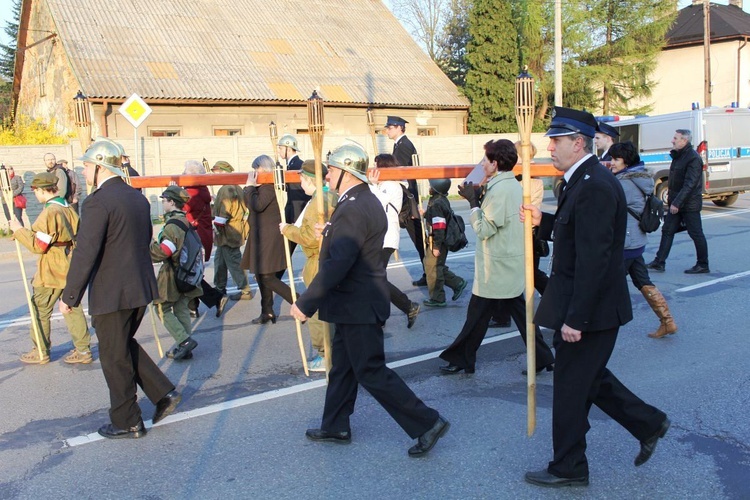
585	302
52	236
172	303
403	151
351	291
112	260
605	136
230	231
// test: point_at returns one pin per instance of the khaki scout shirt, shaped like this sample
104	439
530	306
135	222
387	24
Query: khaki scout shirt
230	217
52	237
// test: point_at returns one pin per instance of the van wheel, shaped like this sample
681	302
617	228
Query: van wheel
726	200
662	190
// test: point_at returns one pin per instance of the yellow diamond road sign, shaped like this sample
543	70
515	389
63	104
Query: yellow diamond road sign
135	110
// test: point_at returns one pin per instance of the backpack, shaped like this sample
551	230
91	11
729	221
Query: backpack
72	184
409	208
455	233
653	212
189	274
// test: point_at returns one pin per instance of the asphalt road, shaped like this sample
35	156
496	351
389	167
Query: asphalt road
239	432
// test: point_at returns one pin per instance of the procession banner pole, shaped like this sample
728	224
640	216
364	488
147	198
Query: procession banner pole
371	126
525	119
273	132
281	197
316	128
151	306
8	196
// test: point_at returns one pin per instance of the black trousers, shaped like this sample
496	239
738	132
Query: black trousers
398	298
581	379
126	365
358	358
415	233
463	351
694	227
638	272
268	284
211	297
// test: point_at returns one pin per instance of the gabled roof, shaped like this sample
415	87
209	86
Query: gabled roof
352	51
727	22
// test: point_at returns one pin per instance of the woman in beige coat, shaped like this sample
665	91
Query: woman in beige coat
498	261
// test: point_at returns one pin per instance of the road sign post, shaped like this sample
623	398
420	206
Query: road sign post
135	110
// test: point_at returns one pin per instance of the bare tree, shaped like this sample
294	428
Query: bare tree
425	20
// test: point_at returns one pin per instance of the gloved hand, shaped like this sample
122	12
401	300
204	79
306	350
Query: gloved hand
468	192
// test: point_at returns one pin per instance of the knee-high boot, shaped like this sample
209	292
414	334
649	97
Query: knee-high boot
659	305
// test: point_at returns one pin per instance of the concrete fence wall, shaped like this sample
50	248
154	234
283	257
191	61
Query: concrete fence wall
167	155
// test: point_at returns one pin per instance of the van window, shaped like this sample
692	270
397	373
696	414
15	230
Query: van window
629	133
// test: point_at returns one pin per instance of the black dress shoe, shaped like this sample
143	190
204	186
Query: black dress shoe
698	269
655	265
412	316
452	369
343	437
166	405
550	367
109	431
264	318
420	282
220	306
544	478
648	446
183	349
427	440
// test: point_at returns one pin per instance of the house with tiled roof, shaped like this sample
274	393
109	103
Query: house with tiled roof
679	74
217	67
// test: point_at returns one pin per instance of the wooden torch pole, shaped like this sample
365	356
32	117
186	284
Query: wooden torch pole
371	126
525	119
281	197
8	197
316	127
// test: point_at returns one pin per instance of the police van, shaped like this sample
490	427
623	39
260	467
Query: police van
720	135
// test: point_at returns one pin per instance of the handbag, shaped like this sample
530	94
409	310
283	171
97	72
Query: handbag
19	201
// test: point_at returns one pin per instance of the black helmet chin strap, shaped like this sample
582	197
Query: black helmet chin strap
96	176
341	178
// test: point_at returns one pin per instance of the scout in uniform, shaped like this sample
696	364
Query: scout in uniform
52	236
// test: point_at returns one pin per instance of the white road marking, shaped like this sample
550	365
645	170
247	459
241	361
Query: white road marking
713	282
267	396
726	214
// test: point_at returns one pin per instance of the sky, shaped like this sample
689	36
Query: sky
6	12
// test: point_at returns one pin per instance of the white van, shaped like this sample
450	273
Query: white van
720	135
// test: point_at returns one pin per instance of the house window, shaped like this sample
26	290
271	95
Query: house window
41	68
426	130
227	131
164	132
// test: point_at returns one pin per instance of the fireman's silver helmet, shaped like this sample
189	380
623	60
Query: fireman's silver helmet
289	141
352	158
105	153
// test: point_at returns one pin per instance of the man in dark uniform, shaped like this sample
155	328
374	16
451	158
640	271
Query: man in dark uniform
585	302
605	137
288	150
404	151
112	259
351	291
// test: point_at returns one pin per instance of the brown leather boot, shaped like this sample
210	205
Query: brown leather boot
659	305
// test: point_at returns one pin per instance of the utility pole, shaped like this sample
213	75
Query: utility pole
558	53
706	53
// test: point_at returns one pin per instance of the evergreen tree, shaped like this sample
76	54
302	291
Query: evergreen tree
454	40
626	38
8	52
493	66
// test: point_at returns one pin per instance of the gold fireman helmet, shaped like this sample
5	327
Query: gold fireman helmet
106	153
289	141
352	158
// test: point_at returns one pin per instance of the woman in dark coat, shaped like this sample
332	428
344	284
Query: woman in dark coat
198	213
264	251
